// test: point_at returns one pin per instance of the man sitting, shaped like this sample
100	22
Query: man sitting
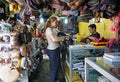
94	35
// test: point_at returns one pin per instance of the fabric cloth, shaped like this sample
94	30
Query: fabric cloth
51	45
54	57
56	6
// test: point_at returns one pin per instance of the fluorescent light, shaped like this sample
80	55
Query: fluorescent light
41	20
66	21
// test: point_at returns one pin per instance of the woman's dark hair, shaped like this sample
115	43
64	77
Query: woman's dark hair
92	26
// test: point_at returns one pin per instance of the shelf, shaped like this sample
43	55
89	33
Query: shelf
6	43
7	46
66	80
77	53
82	69
92	62
67	63
85	47
75	76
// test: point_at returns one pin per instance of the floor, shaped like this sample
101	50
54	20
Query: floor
43	72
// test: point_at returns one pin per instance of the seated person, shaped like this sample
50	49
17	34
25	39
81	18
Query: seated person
94	35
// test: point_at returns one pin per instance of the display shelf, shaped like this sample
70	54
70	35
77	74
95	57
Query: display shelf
24	74
77	53
75	76
67	63
8	56
91	61
7	43
85	47
7	33
66	80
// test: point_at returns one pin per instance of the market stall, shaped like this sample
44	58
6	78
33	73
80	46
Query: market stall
93	27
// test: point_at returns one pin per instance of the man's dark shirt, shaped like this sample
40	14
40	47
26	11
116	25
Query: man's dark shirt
97	35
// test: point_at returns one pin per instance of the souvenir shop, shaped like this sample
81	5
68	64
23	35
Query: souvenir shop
84	58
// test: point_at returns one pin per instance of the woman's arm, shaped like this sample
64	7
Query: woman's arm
55	38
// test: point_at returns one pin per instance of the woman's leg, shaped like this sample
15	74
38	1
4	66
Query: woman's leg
54	61
58	64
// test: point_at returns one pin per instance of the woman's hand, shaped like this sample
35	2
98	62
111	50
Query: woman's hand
67	37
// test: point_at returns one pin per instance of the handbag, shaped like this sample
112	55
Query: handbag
24	37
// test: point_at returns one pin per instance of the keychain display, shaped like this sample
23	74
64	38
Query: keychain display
5	27
5	38
4	48
13	40
9	38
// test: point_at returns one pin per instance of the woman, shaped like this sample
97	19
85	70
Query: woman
53	50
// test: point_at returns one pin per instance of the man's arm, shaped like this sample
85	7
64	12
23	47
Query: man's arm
92	38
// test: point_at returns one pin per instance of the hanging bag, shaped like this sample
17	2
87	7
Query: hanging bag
24	37
57	4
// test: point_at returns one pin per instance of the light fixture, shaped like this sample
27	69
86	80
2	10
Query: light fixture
66	21
41	20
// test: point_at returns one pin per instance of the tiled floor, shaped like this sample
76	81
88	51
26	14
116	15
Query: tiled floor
43	72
